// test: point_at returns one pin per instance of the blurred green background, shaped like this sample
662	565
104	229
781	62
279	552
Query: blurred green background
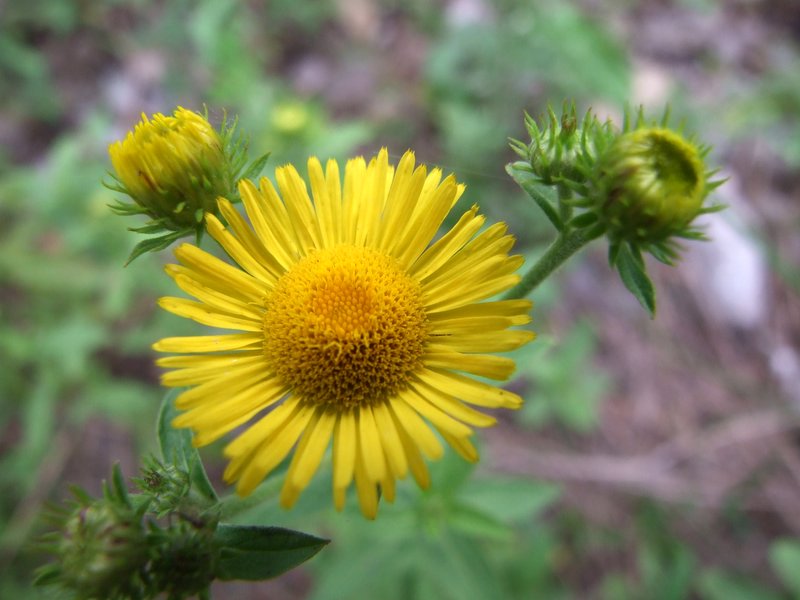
654	459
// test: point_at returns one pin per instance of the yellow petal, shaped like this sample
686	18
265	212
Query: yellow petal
370	445
225	277
311	449
469	390
366	488
238	252
439	356
272	451
249	239
442	421
453	407
206	315
209	343
392	445
263	429
344	450
416	429
497	341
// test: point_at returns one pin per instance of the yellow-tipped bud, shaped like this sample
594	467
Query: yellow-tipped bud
173	167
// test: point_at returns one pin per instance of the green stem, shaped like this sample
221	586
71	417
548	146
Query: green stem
564	246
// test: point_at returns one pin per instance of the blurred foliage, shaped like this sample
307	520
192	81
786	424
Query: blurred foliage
75	327
770	109
558	396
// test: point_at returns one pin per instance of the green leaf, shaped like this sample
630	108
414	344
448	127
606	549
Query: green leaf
719	585
458	568
784	556
476	523
508	499
253	553
533	187
177	449
630	265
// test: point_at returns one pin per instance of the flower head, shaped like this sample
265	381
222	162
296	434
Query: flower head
356	330
648	185
173	167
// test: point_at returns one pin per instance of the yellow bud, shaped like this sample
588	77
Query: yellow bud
174	167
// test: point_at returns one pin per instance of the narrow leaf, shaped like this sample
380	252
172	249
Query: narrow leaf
253	553
632	271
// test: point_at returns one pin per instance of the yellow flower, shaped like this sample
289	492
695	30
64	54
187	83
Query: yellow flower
354	328
173	167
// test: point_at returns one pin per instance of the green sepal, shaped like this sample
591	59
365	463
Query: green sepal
254	168
520	172
630	265
118	485
121	208
665	252
151	227
177	449
156	243
47	575
583	220
254	553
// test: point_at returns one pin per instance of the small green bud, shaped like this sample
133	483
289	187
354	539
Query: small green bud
184	560
561	147
649	185
165	485
101	550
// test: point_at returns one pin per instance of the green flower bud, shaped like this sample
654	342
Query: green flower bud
561	148
165	485
649	185
184	560
102	550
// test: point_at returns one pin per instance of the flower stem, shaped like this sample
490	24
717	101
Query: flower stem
565	245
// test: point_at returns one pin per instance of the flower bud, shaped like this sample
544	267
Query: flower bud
184	561
165	485
102	549
649	185
174	168
560	148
